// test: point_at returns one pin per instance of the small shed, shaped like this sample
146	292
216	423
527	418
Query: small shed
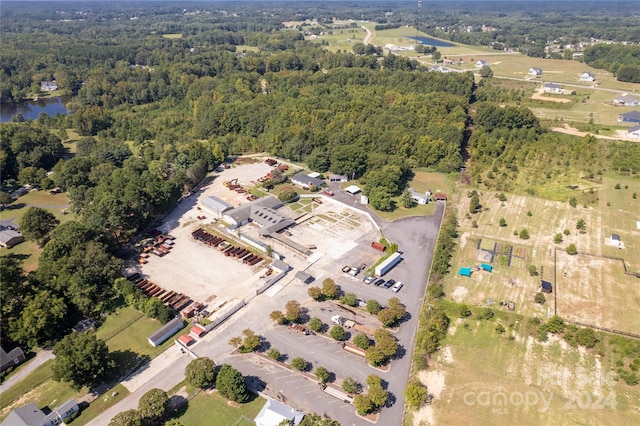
304	277
440	196
166	331
511	306
465	272
546	287
615	237
486	267
186	340
197	331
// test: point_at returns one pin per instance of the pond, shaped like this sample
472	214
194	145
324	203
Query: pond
431	41
32	109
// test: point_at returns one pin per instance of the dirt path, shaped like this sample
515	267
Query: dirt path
575	132
367	39
539	96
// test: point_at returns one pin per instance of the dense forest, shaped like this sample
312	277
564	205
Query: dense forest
163	93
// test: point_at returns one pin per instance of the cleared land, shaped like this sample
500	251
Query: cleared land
507	379
595	290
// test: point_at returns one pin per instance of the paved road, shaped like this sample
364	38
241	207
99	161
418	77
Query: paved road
40	358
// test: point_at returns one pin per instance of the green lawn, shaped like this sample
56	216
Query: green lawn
207	406
53	203
101	404
39	388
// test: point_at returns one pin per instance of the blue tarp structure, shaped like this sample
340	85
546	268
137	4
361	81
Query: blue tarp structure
465	271
486	267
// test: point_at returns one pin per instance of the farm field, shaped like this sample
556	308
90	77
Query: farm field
513	379
602	293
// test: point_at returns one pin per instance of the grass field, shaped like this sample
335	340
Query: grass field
172	36
53	203
101	404
513	379
209	405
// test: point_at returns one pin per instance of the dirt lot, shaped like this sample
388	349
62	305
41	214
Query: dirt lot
207	276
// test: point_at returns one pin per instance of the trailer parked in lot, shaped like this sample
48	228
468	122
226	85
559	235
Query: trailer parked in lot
388	264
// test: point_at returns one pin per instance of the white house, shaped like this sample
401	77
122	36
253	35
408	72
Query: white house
481	63
552	88
31	415
633	132
419	197
626	100
48	86
535	71
306	181
275	413
587	76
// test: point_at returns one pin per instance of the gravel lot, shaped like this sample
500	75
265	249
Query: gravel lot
207	276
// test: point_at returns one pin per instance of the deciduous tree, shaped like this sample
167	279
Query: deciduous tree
154	404
81	359
230	384
201	373
37	223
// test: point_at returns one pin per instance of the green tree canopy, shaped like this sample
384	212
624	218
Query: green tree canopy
82	359
37	223
127	418
230	384
154	404
201	373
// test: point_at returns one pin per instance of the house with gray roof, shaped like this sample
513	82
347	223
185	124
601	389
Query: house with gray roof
11	358
629	117
31	415
535	71
587	76
552	88
306	181
626	100
633	132
9	234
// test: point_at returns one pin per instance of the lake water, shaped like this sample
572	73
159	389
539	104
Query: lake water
430	41
32	109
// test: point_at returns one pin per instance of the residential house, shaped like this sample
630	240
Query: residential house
9	234
306	181
11	358
275	413
31	415
587	76
48	86
419	197
535	71
440	68
629	117
633	132
552	88
481	63
626	100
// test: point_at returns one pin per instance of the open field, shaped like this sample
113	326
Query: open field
100	404
53	203
172	36
597	286
511	378
209	405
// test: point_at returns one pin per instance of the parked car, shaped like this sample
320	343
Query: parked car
328	192
389	283
379	282
368	279
396	287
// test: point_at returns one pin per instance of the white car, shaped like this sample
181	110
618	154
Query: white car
397	286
